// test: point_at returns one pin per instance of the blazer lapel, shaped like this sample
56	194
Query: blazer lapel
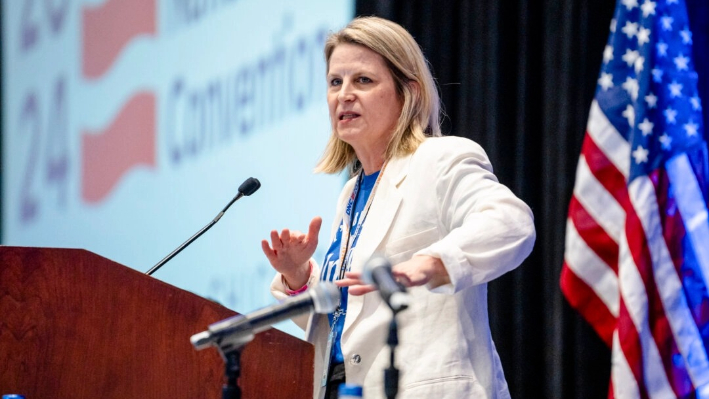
386	202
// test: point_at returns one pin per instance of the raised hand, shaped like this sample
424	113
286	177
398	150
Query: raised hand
290	251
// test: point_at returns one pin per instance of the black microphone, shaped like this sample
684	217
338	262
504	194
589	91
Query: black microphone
377	271
248	187
236	331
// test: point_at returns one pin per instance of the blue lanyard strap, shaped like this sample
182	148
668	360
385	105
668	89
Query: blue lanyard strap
346	251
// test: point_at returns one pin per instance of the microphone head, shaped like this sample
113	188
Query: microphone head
249	186
201	340
394	294
326	297
374	262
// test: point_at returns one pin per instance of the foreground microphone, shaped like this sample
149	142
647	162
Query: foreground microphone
248	187
377	271
323	298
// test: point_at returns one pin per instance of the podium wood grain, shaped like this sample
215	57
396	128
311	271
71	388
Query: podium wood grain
76	325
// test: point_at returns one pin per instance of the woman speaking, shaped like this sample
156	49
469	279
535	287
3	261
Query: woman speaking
430	204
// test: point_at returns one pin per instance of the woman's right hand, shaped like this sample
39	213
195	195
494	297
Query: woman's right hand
290	252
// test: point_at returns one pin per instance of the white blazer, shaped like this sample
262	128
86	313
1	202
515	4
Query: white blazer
442	201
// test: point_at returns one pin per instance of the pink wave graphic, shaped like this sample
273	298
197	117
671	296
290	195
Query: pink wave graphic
108	27
128	142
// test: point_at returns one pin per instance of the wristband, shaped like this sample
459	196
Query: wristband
291	292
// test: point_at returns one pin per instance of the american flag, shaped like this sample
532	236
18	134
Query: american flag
636	264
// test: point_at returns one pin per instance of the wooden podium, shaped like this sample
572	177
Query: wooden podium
76	325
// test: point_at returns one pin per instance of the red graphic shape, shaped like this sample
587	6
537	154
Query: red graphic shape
108	27
128	142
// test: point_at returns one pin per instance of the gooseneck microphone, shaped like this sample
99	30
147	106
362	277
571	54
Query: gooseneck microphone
377	271
248	187
322	298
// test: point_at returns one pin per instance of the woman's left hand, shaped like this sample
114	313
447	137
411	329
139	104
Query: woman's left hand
419	270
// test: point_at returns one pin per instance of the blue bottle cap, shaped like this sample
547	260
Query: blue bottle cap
12	396
349	389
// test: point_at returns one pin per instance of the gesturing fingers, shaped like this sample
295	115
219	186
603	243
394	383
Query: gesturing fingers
314	230
276	241
355	284
285	236
347	282
270	253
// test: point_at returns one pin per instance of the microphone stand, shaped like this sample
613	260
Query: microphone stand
391	374
230	350
232	369
194	237
248	187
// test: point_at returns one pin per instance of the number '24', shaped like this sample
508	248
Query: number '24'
47	156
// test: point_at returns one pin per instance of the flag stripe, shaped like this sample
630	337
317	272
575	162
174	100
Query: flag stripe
630	348
605	135
692	207
672	225
588	304
605	172
592	270
623	380
598	202
594	235
699	161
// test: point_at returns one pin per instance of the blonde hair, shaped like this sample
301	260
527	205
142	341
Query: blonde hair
414	85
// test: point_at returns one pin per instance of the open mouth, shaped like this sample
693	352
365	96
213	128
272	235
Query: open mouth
348	115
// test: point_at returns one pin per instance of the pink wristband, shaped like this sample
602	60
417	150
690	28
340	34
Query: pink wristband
291	292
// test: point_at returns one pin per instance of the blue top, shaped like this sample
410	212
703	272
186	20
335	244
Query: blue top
330	271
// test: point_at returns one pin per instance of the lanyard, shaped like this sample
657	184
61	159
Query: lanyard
347	220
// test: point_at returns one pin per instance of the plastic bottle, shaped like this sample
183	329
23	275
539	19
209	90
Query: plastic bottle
349	391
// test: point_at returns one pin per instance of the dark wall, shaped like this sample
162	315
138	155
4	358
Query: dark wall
518	77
